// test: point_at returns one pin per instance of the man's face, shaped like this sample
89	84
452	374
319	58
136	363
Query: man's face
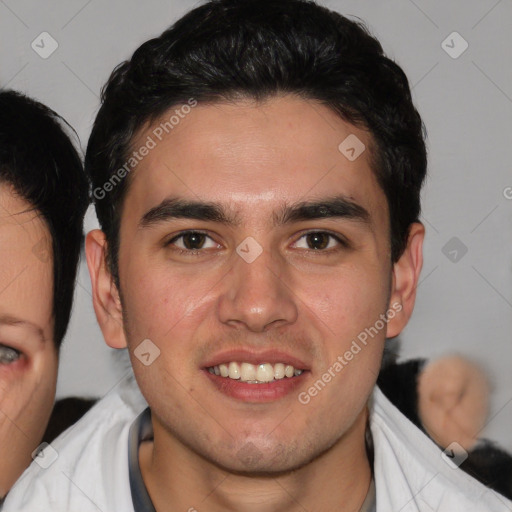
264	283
28	358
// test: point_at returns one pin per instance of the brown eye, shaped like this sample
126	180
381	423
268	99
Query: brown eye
192	241
320	241
317	240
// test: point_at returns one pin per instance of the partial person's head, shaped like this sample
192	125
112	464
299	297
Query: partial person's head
453	401
256	173
43	198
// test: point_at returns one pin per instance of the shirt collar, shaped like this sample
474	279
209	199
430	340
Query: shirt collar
141	430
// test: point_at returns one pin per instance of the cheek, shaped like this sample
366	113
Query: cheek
348	301
160	303
26	407
27	397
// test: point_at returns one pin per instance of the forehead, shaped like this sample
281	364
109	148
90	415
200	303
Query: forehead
26	286
247	154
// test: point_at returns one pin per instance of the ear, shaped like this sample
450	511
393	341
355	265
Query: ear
105	296
406	272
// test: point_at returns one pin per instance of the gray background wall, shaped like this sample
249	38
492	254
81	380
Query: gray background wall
465	296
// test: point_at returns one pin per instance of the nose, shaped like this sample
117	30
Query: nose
256	295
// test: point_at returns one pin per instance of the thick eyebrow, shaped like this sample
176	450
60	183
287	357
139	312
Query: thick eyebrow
175	208
331	207
19	322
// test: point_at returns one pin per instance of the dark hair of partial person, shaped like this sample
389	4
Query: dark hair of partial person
40	162
226	50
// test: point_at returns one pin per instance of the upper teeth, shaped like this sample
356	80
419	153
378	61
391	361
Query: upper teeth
252	373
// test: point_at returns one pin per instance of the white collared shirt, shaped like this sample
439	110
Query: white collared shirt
91	471
411	474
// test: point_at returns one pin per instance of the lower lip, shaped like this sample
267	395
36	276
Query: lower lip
258	393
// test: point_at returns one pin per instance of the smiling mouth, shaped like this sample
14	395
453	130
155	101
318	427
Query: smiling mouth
255	373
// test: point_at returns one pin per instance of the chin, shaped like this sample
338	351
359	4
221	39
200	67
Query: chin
254	459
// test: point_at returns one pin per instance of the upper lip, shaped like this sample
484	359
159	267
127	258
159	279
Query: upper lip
255	357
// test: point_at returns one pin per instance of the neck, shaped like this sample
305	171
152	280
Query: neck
179	479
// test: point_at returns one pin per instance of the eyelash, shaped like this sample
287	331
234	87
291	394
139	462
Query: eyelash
341	241
181	235
7	359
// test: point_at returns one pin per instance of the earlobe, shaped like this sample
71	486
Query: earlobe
105	296
406	273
